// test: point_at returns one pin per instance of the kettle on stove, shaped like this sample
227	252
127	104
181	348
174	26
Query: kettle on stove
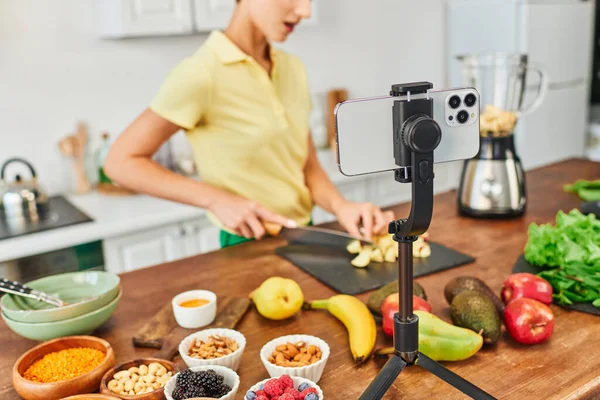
493	183
21	198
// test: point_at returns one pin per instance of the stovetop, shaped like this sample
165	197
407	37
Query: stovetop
60	214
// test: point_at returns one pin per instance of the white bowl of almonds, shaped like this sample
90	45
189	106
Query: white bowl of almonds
303	356
213	347
138	379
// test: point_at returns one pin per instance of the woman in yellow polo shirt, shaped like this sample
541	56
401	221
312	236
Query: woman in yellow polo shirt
245	109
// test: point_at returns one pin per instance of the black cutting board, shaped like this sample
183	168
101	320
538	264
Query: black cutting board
331	265
523	266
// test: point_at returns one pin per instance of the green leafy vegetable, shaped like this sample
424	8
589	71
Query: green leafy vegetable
587	190
569	254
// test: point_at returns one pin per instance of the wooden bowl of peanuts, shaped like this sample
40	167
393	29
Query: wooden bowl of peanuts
141	379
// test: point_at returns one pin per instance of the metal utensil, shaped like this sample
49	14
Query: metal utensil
19	289
19	197
319	236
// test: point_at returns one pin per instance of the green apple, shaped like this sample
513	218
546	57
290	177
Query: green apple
278	298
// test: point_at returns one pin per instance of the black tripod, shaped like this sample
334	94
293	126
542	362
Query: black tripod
416	135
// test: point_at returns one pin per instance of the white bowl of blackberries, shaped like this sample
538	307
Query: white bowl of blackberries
212	381
285	387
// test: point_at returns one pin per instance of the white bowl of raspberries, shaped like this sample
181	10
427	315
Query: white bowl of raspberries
285	387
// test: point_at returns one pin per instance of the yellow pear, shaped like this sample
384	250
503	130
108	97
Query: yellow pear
278	298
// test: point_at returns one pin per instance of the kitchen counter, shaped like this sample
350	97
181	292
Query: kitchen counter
120	215
565	367
112	216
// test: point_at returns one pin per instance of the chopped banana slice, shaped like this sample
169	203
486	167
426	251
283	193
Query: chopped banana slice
354	247
418	242
422	251
376	255
391	254
362	259
386	241
384	249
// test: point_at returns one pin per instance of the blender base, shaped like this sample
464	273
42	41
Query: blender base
492	185
500	214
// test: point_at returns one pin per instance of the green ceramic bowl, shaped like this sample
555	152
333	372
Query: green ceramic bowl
81	325
84	292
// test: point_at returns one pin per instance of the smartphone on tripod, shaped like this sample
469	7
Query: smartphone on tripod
364	129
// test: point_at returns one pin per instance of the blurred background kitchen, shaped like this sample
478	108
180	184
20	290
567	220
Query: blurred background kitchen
74	73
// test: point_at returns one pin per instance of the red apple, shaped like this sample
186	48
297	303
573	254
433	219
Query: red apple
528	321
391	306
526	285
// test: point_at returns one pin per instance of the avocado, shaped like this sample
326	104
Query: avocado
376	299
475	311
460	283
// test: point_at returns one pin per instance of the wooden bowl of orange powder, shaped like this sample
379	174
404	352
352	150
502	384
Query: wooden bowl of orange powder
62	367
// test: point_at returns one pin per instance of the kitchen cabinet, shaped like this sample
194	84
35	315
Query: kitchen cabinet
212	14
200	237
131	18
320	216
215	14
143	249
173	242
136	18
385	191
355	190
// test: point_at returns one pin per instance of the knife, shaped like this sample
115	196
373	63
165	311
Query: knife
313	235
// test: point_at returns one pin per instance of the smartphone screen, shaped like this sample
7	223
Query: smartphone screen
364	130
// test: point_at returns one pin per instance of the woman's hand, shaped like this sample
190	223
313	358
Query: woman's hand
245	217
352	215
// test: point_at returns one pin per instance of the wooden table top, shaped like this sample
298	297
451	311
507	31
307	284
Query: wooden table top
565	367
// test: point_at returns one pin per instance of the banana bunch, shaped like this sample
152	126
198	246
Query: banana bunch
385	249
358	320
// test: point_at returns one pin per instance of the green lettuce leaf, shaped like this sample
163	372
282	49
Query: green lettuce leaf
571	251
568	254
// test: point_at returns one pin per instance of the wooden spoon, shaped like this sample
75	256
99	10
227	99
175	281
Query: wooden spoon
73	147
67	146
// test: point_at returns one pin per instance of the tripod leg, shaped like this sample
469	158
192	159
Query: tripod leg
450	377
384	379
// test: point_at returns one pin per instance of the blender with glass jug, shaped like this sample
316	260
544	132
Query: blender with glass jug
493	183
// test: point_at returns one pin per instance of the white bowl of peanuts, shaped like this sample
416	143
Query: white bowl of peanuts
303	356
213	347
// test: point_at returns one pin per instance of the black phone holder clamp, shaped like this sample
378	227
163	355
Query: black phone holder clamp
416	136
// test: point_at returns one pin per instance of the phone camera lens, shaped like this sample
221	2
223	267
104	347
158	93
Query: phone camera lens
454	101
462	116
450	118
470	99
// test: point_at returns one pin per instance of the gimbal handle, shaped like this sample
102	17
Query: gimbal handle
416	135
